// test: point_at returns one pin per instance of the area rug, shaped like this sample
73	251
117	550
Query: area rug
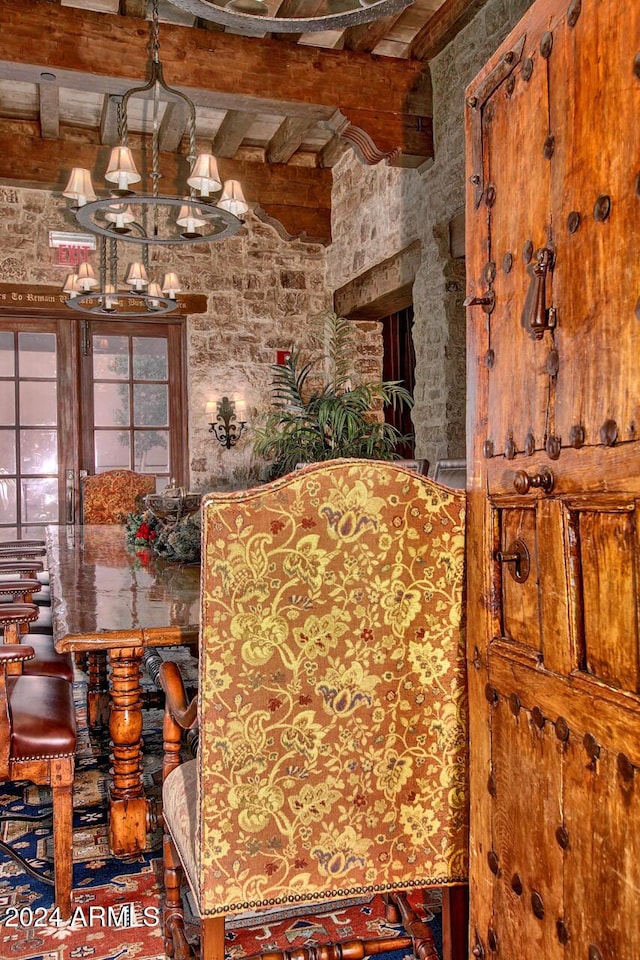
117	901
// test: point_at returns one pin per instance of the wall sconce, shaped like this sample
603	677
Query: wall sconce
225	420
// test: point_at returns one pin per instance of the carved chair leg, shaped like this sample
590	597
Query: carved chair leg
63	847
173	912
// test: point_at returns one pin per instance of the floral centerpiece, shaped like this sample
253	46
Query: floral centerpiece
178	541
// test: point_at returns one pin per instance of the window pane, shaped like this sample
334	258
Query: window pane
7	402
8	510
9	533
111	450
39	403
7	451
37	355
150	405
110	358
152	451
150	361
38	451
39	501
7	356
110	405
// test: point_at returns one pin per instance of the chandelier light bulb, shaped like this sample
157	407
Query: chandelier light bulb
122	170
137	276
80	187
232	199
170	285
120	215
204	176
87	279
71	285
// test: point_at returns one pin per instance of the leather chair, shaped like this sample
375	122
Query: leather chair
38	743
332	758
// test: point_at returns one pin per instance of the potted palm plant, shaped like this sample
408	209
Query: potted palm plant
318	413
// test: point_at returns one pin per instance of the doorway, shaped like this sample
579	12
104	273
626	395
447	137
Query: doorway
79	395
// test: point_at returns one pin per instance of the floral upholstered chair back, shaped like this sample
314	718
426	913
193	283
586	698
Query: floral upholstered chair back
109	497
332	701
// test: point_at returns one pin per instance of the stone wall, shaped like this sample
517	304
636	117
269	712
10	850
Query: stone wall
380	211
261	293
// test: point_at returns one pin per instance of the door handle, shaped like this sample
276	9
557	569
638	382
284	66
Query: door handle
524	481
70	496
541	319
517	558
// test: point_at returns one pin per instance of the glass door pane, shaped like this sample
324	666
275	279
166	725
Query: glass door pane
132	371
30	442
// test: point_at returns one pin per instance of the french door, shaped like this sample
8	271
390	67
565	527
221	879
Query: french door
84	396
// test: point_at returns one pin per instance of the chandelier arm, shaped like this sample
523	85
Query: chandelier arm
209	10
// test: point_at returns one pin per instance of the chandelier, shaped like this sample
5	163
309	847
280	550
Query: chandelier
105	296
257	16
211	210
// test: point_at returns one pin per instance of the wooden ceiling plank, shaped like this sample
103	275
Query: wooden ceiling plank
173	126
98	6
258	75
365	36
231	132
442	27
289	136
109	121
49	95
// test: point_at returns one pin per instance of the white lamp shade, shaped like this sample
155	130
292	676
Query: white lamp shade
204	176
153	290
211	410
187	218
241	410
137	276
232	199
120	214
87	279
170	285
80	187
122	169
71	285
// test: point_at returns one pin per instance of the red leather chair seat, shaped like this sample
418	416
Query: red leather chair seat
47	661
29	700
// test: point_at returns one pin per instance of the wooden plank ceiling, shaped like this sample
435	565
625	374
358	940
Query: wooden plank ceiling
277	110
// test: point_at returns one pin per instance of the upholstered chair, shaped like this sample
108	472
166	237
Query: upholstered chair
38	743
332	711
110	496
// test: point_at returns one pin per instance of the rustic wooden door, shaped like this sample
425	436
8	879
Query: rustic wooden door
553	256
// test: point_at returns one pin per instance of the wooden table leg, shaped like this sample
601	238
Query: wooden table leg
129	810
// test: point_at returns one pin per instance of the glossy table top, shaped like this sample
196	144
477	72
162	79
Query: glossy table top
106	595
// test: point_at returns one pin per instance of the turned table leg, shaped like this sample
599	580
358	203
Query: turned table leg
129	810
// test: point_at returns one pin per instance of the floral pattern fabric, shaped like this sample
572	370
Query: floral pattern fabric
332	698
111	496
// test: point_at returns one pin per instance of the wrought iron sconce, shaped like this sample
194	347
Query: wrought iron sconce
227	426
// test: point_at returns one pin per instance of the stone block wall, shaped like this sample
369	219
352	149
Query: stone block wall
379	211
261	292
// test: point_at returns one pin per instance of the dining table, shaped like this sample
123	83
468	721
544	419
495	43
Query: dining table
108	596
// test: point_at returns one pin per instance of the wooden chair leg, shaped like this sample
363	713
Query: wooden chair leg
455	923
175	943
63	846
212	939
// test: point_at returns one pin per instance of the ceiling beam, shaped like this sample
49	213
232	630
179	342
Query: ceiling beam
231	132
297	196
107	54
49	100
286	140
442	27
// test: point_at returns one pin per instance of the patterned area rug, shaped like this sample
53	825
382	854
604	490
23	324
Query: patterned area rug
117	901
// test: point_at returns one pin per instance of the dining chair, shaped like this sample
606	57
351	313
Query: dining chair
38	743
108	497
331	710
